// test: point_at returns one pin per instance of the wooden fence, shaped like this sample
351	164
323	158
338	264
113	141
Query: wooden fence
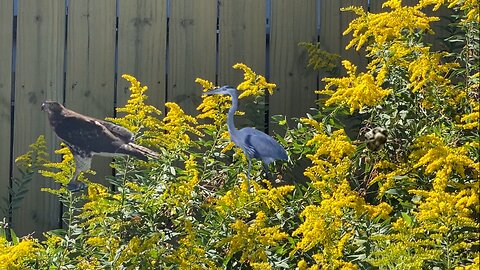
74	51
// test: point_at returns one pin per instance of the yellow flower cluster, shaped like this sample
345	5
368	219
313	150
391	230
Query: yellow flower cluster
470	7
180	193
190	254
36	156
173	131
213	106
386	26
428	69
471	120
253	84
138	246
15	256
63	170
138	114
402	248
239	198
420	238
453	210
388	173
324	224
331	160
253	239
100	204
437	157
355	90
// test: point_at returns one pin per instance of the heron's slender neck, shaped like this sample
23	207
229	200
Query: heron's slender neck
231	114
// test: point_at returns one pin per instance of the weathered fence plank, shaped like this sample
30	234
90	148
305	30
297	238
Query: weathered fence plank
90	85
6	39
292	22
333	22
192	50
142	41
39	76
242	39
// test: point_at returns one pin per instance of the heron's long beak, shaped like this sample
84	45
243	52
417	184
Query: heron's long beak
211	92
220	90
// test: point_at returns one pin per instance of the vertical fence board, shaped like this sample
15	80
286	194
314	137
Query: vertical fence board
292	22
6	37
192	50
142	38
39	76
90	85
242	39
332	24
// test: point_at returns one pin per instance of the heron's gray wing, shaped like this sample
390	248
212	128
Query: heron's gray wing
119	131
263	146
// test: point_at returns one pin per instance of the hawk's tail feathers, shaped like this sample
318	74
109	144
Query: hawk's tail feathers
138	151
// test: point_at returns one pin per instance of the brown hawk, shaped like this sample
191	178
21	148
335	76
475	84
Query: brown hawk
88	136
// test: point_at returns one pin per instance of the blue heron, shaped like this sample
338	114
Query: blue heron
253	142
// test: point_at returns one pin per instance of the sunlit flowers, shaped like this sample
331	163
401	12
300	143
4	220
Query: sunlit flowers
239	197
14	256
428	69
213	106
36	155
331	159
471	120
355	91
386	26
253	239
175	129
441	159
181	192
253	84
138	113
63	171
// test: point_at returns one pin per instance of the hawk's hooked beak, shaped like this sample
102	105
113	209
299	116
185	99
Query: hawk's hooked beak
43	106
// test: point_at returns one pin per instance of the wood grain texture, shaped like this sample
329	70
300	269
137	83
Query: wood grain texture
192	50
90	78
333	23
39	76
142	41
292	22
6	36
242	39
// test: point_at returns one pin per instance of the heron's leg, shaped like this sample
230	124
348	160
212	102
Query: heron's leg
265	169
248	173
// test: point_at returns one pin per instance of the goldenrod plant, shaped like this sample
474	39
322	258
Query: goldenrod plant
410	202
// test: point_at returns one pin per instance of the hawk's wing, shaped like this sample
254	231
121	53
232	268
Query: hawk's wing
87	134
119	131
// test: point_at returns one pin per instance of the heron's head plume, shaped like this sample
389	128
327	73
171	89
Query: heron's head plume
224	90
52	107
